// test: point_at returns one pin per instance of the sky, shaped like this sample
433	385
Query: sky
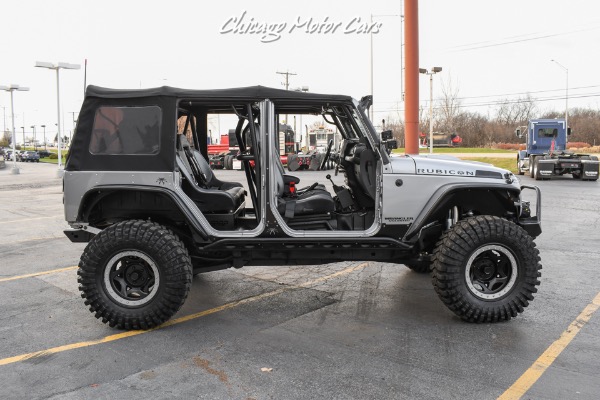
489	50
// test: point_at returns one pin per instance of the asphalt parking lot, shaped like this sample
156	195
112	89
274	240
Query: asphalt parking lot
338	331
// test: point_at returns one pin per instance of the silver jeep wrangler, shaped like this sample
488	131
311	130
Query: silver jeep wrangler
139	189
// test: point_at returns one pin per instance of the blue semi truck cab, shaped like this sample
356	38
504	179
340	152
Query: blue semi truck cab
546	154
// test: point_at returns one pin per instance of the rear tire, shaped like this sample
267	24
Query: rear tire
486	269
135	275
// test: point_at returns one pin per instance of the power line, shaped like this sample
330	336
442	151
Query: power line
515	39
500	102
508	94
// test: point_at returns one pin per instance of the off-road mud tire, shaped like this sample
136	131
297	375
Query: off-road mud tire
158	250
460	245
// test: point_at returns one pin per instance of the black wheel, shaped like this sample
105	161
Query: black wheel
135	275
486	269
292	163
226	161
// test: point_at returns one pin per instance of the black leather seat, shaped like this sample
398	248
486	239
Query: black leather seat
210	194
310	201
212	182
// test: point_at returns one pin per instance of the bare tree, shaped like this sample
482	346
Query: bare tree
448	107
6	139
516	112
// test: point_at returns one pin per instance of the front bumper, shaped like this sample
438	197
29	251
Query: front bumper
533	224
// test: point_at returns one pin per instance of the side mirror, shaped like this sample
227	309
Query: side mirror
518	133
386	135
568	131
391	144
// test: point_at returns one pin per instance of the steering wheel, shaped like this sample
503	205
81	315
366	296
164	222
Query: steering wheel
327	154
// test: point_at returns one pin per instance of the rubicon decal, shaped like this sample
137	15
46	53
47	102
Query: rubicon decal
433	171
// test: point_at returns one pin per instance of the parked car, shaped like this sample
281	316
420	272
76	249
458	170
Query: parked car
44	153
29	156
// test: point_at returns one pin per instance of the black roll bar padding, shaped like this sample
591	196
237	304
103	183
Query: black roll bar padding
238	134
194	132
251	173
187	122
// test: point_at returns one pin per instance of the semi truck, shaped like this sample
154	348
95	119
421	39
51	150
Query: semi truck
546	154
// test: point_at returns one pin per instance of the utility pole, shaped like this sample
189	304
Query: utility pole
287	85
287	78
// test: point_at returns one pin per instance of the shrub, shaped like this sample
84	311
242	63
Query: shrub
578	145
53	156
508	146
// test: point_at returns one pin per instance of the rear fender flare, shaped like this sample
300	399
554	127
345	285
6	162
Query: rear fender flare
94	196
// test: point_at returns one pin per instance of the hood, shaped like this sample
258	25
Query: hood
445	166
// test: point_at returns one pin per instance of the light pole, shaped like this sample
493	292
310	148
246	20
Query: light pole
33	127
23	129
434	71
57	68
45	147
11	89
566	95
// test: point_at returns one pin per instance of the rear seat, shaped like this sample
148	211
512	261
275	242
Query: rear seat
223	197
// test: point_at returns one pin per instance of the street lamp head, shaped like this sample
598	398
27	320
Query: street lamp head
435	70
68	66
44	64
422	70
14	87
60	65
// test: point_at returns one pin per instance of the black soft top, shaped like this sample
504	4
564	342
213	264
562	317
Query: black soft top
244	93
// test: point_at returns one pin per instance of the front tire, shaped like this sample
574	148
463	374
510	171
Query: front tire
486	269
536	170
519	170
135	275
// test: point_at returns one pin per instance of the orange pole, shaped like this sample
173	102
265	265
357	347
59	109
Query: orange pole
411	76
